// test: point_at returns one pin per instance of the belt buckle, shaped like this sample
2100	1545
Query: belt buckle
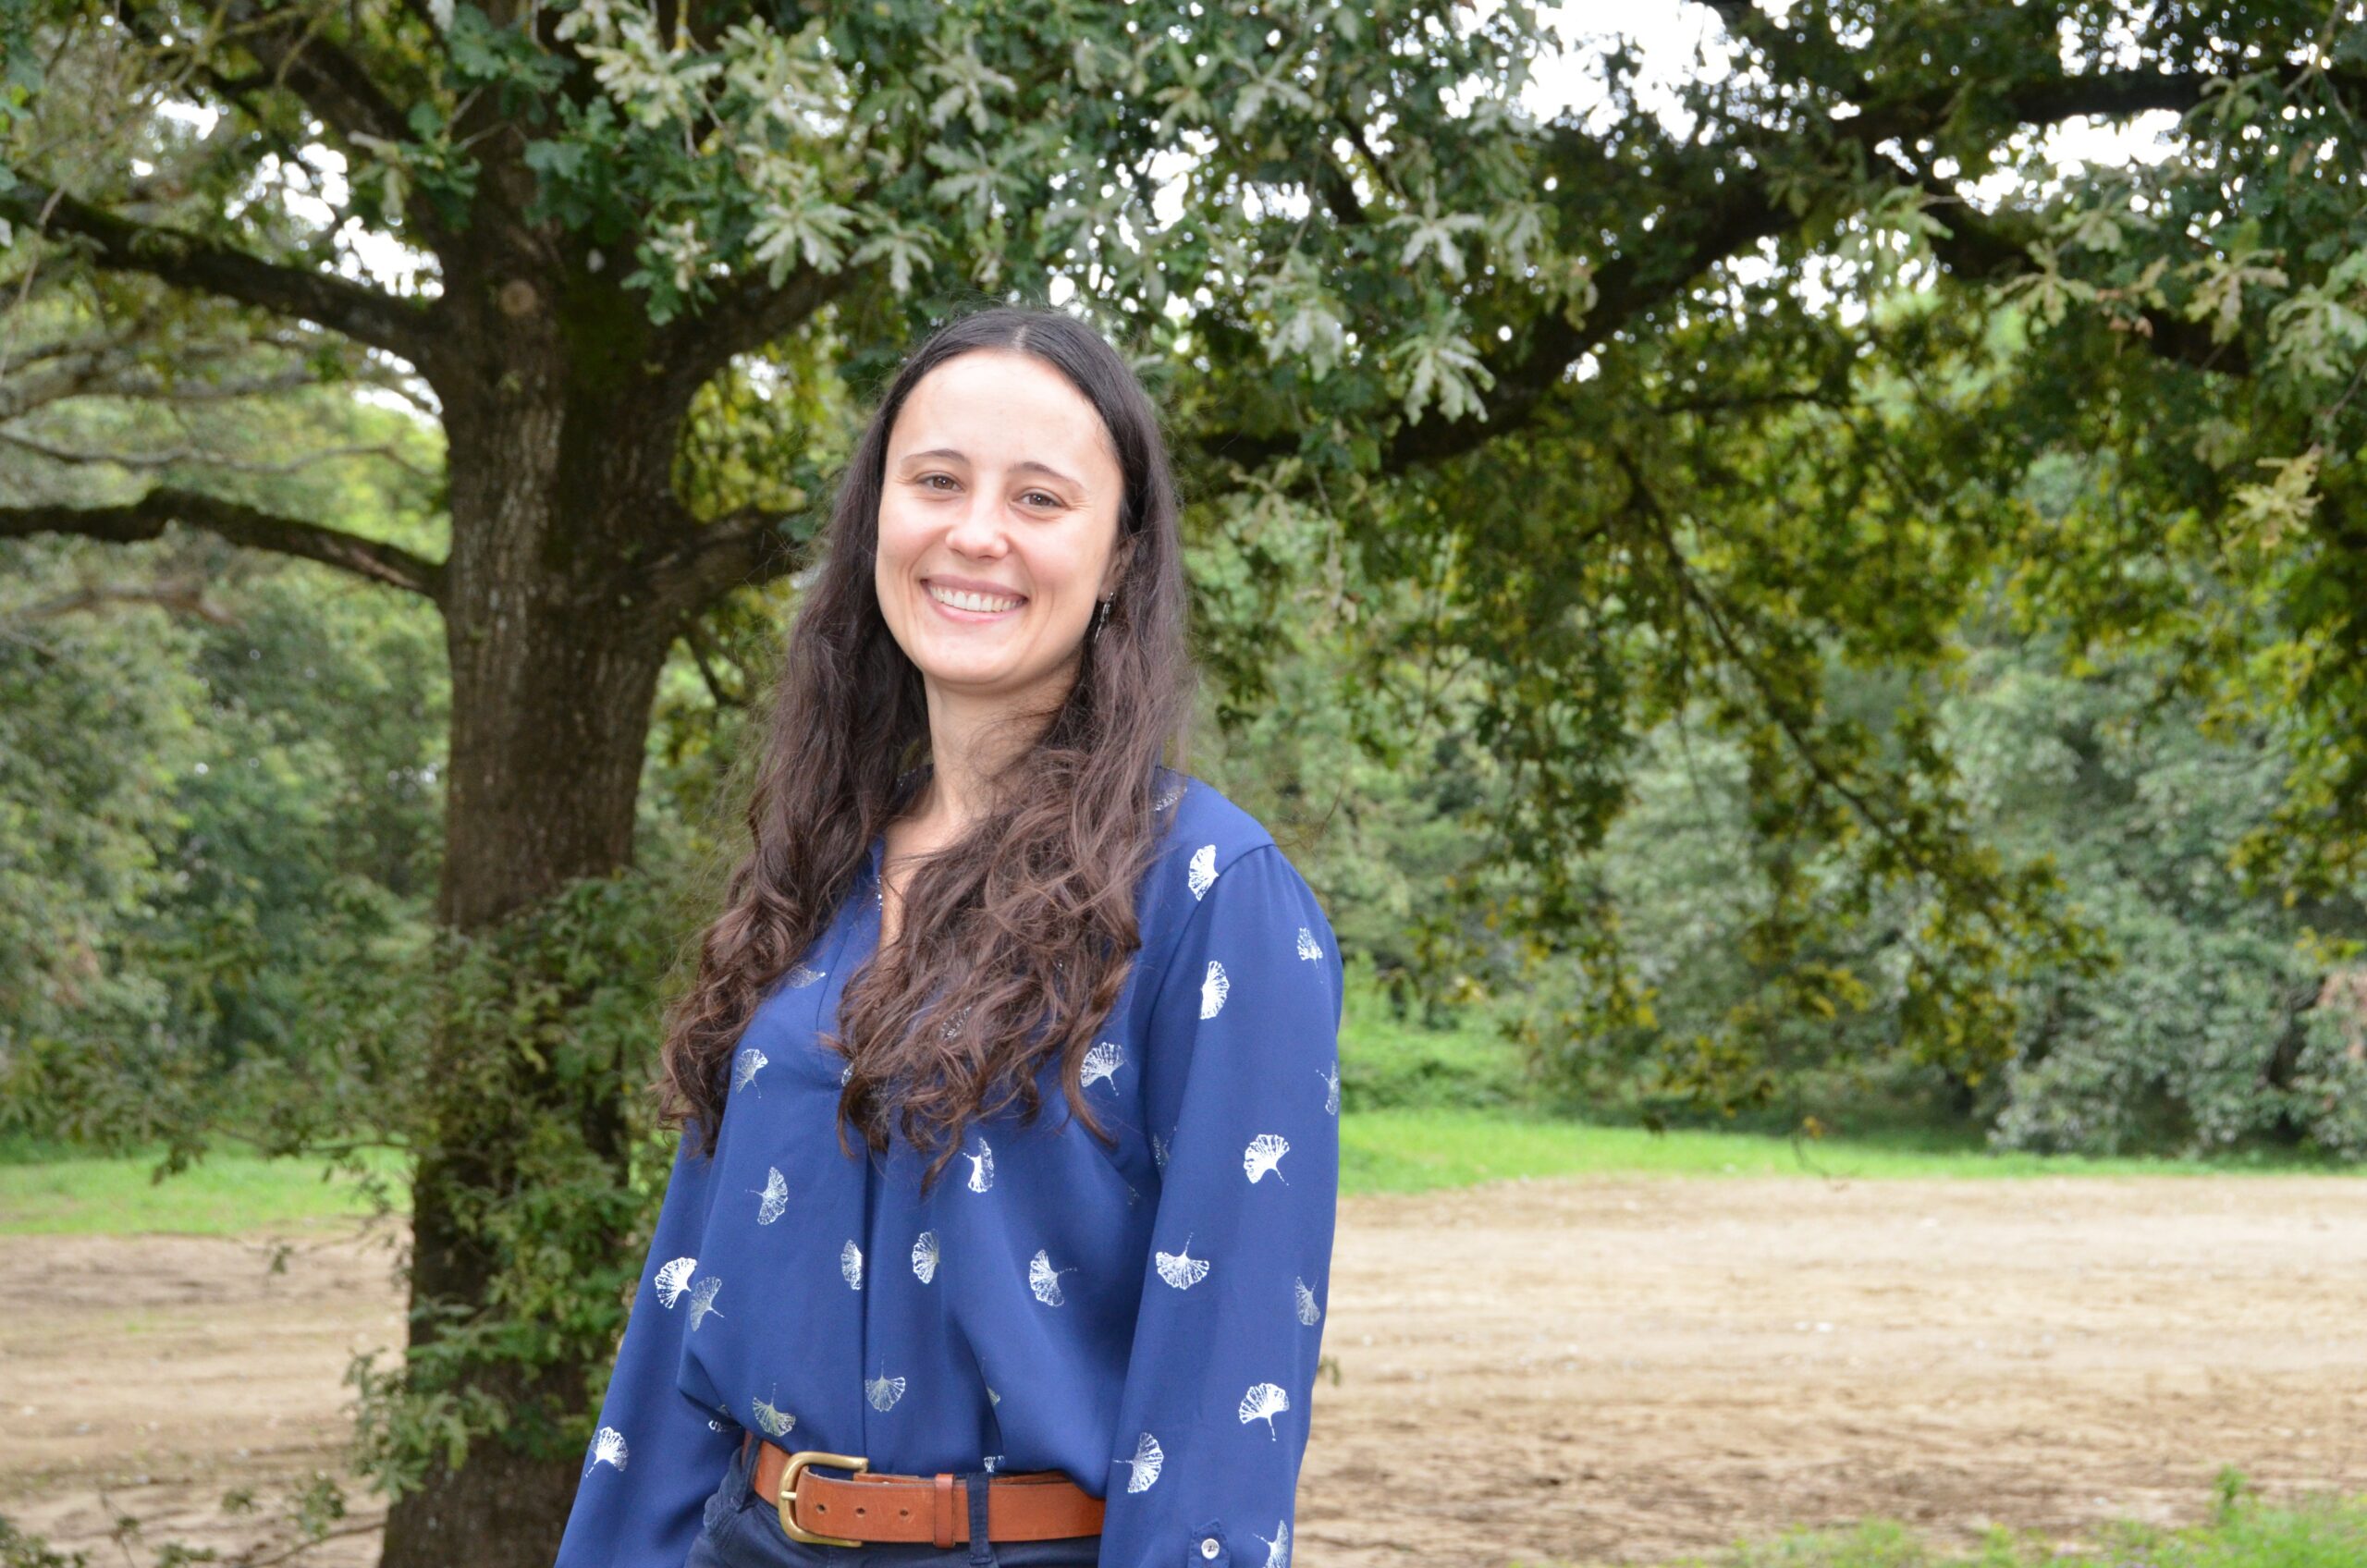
788	1476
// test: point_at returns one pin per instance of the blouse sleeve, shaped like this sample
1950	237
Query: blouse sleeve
1241	1085
657	1454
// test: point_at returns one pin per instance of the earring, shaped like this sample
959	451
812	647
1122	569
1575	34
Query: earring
1101	619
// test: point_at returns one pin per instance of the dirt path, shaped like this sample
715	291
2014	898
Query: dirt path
1601	1370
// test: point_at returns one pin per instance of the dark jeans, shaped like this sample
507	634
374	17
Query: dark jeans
743	1530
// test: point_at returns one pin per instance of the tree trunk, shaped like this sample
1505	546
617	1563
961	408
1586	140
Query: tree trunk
553	674
547	794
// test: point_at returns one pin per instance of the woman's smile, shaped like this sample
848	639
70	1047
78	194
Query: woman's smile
969	605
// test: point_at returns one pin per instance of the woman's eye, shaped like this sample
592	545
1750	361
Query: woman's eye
1040	498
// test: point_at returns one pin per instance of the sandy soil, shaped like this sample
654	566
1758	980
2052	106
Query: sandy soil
1530	1371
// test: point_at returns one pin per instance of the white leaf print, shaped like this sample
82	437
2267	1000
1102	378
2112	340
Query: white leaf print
607	1448
1213	986
988	1461
1265	1152
1045	1280
673	1278
1277	1546
982	1167
745	1066
771	1420
993	1398
1308	946
1332	1090
1201	875
775	1202
850	1266
925	1257
1180	1269
1143	1469
1103	1061
1263	1402
800	977
702	1300
1169	796
883	1391
1308	1311
1159	1151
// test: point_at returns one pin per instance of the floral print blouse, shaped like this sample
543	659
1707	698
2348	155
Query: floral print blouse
1145	1318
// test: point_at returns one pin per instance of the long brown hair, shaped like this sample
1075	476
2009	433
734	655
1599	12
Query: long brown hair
1017	938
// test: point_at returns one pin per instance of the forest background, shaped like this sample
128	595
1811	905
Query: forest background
1761	597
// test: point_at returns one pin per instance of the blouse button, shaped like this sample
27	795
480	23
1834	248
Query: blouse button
1209	1547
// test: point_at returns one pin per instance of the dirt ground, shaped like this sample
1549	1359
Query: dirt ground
1617	1371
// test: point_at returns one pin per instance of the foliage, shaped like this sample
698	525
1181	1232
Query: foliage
1854	506
2200	1033
223	827
1541	438
2206	1033
2219	520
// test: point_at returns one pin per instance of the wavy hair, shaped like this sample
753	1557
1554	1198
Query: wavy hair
1017	938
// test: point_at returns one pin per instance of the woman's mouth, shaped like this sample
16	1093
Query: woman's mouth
961	604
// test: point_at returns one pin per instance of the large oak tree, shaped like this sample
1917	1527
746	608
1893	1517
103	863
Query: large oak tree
1563	412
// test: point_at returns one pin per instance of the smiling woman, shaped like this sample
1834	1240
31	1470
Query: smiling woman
974	888
1002	512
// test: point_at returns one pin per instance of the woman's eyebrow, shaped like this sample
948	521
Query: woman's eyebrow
1026	466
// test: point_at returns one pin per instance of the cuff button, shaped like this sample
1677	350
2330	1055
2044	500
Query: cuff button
1209	1547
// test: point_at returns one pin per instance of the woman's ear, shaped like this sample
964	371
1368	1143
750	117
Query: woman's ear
1114	575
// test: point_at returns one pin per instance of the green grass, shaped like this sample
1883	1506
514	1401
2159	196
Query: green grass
2324	1532
1401	1151
224	1194
46	1193
1448	1107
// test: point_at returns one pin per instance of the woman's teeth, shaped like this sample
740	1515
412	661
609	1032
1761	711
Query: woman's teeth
961	600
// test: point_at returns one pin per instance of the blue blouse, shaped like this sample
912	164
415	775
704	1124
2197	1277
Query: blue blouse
1145	1318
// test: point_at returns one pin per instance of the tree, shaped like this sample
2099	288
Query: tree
659	246
1572	399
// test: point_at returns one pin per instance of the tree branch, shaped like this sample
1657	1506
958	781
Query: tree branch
185	596
1705	221
330	81
701	563
1796	724
145	519
192	457
748	312
1981	247
174	256
701	655
125	378
295	58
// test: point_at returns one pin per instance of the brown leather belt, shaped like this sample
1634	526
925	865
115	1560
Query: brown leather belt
1029	1505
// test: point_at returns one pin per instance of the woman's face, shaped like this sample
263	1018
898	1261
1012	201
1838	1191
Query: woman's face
997	525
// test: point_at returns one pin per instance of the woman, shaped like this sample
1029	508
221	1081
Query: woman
1061	1301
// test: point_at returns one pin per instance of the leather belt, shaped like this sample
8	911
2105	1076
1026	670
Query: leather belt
1028	1505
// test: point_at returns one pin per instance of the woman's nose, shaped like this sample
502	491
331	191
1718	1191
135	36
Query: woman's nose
980	529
